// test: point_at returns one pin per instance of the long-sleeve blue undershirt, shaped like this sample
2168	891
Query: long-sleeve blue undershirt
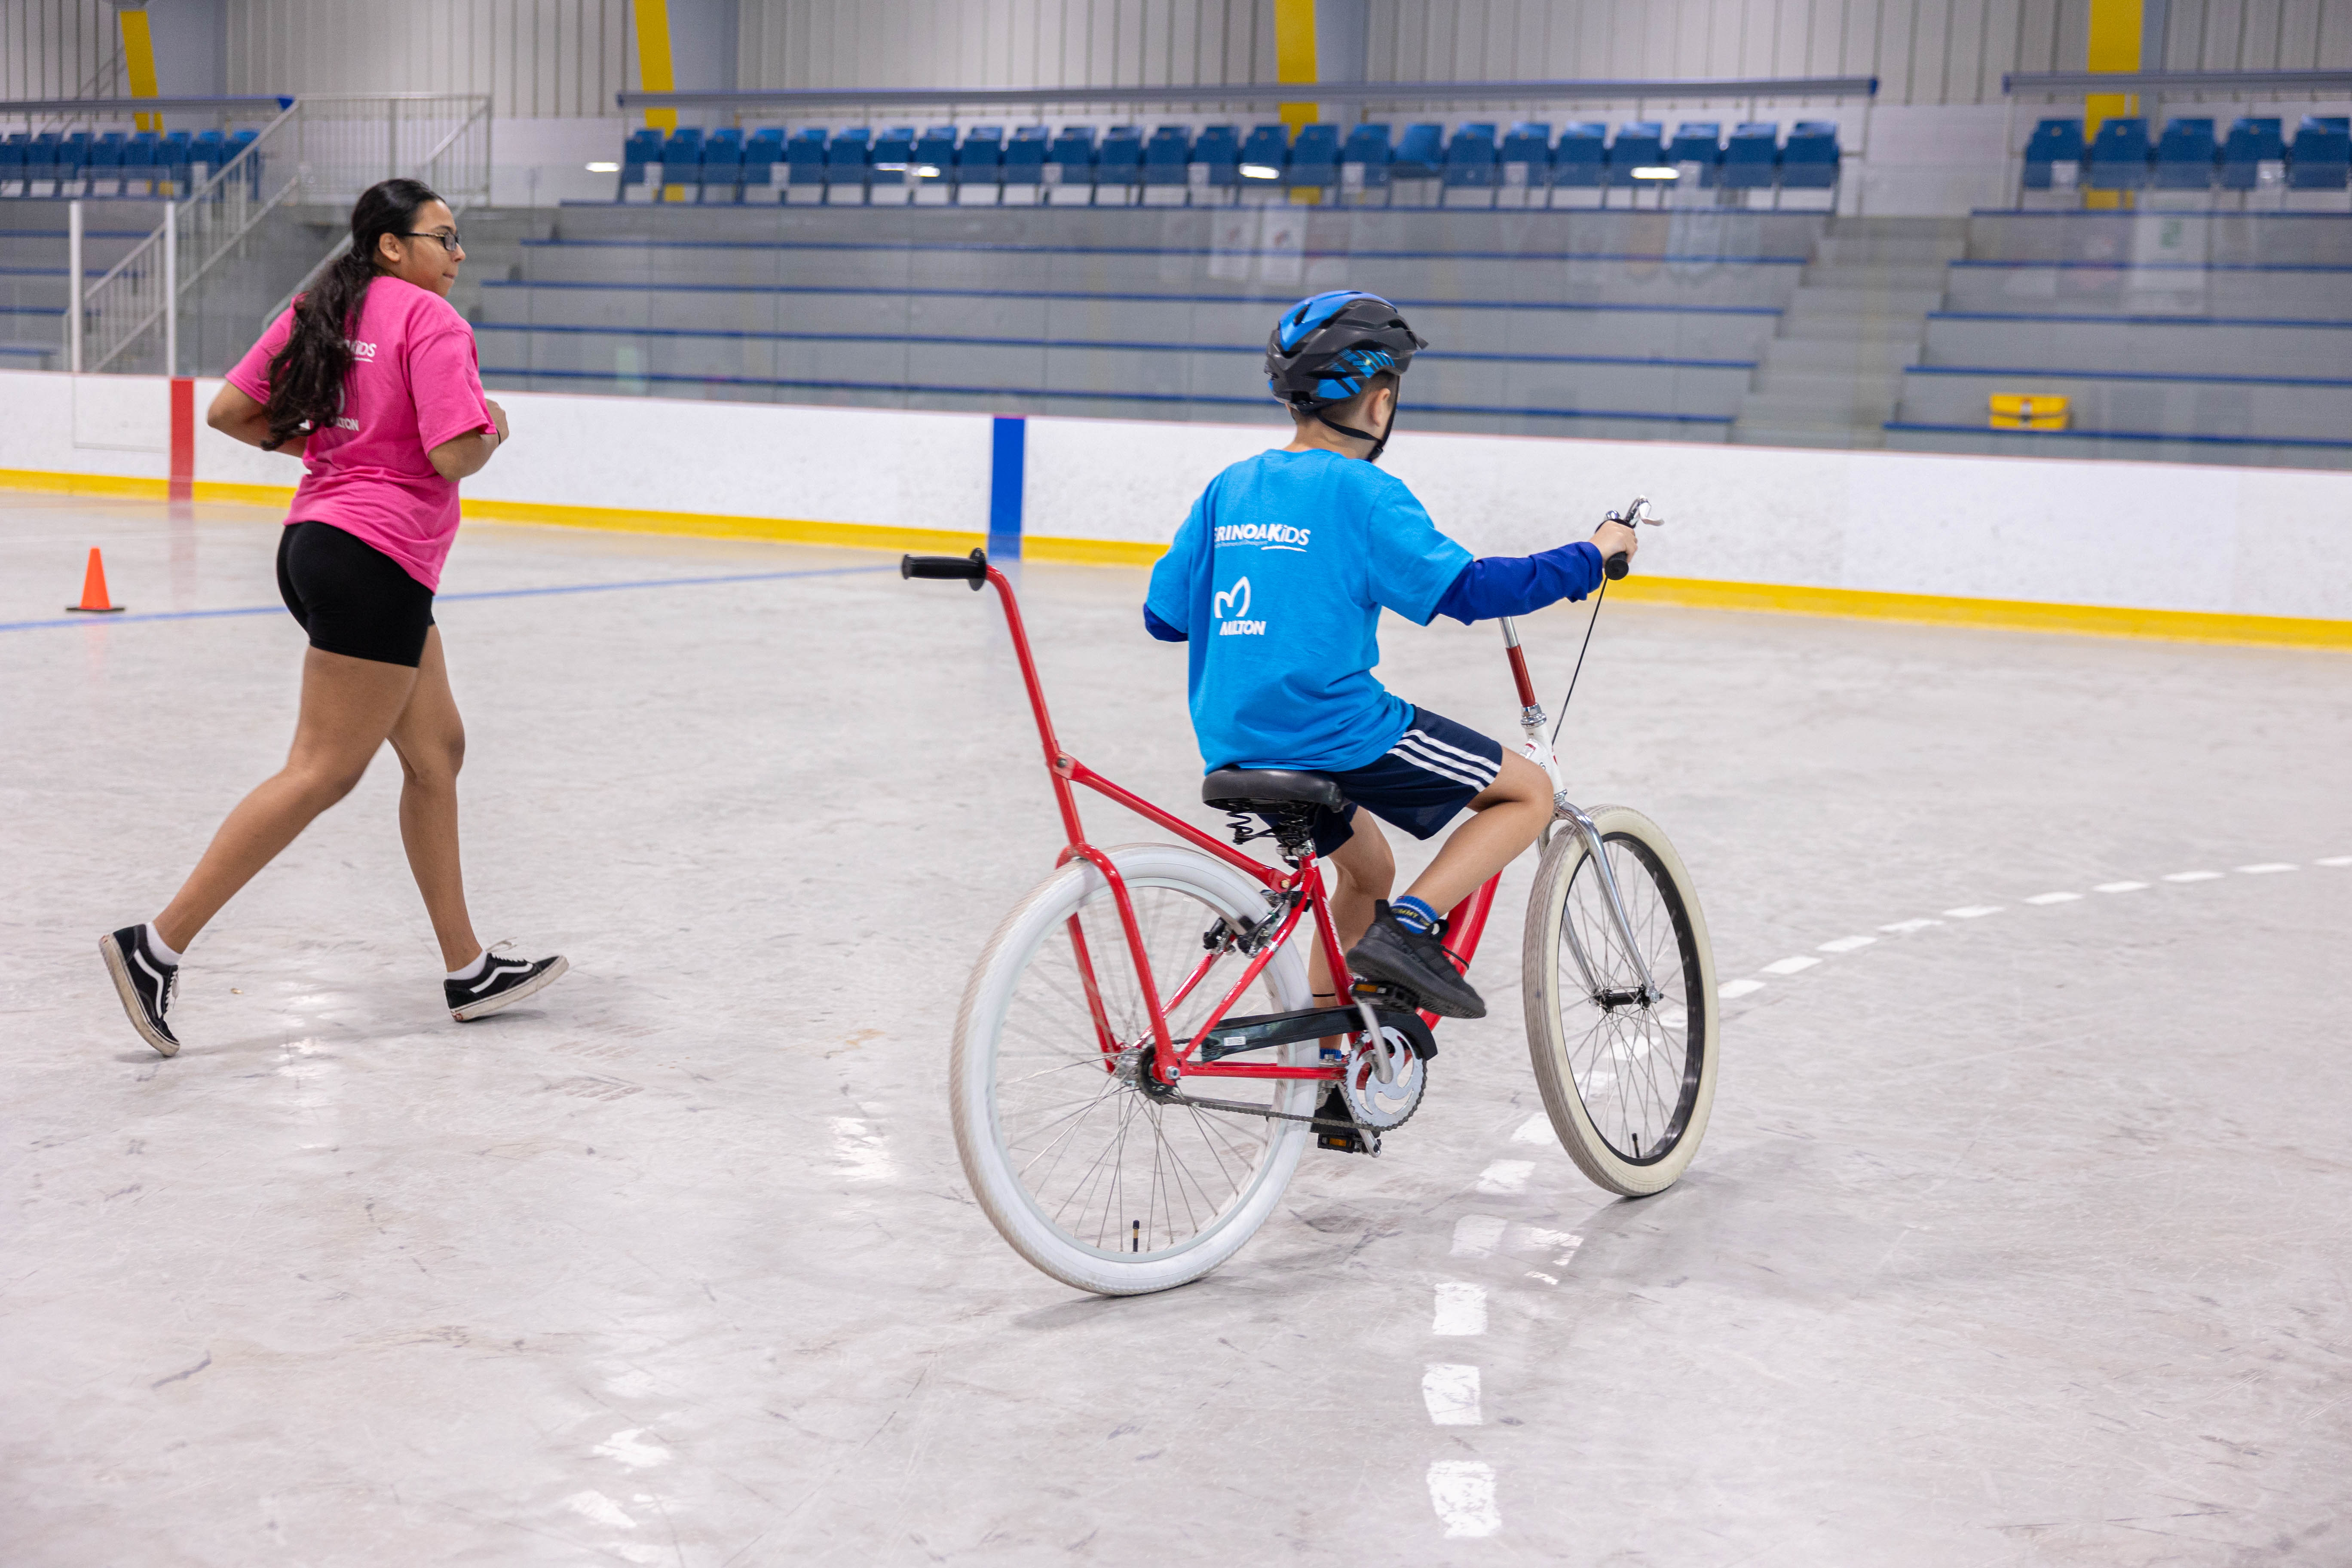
1493	586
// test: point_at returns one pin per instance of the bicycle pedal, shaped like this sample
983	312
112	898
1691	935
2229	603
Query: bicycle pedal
1350	1139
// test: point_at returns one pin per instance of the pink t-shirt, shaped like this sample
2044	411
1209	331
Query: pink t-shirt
415	383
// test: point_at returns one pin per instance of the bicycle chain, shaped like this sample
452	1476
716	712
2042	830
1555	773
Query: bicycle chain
1173	1097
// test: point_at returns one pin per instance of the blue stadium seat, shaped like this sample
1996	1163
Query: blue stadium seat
2053	155
178	149
1808	161
2321	158
1751	158
1420	156
1314	157
764	166
887	166
848	159
142	157
1580	165
638	153
2254	141
1025	165
2118	159
1218	154
103	167
1526	167
723	166
805	152
2184	156
1699	144
1639	144
12	163
1119	167
1167	166
207	151
1364	163
1470	167
979	167
73	164
1070	167
1265	158
933	173
681	162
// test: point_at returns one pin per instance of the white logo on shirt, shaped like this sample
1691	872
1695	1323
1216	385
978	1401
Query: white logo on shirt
347	423
1235	601
360	350
1267	535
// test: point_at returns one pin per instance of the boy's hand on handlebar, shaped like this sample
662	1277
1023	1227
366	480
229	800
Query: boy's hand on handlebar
1615	539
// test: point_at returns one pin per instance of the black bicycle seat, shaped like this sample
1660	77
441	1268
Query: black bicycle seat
1239	789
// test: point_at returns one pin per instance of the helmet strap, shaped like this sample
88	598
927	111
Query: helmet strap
1380	442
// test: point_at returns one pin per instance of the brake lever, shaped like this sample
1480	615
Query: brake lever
1618	564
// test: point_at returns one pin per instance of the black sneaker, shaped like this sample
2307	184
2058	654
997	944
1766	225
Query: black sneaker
146	983
1415	962
502	983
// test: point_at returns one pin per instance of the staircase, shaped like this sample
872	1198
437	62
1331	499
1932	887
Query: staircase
1834	374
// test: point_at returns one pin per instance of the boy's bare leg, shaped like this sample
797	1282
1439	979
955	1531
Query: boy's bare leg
1510	813
1362	872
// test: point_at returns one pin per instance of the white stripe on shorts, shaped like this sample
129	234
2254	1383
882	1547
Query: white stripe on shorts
1477	773
1472	758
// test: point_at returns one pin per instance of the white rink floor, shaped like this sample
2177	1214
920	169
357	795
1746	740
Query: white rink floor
2017	1238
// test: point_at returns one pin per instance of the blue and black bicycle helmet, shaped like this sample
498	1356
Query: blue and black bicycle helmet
1327	348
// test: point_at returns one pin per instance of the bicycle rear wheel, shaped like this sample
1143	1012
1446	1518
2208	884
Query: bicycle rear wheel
1083	1171
1627	1083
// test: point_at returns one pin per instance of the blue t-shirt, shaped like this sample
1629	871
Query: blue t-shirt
1277	580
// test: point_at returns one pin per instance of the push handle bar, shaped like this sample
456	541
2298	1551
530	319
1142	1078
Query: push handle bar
1617	564
971	569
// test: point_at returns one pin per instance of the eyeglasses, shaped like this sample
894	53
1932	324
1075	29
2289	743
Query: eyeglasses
449	241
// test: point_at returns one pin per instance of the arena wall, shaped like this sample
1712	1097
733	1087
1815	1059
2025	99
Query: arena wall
2221	553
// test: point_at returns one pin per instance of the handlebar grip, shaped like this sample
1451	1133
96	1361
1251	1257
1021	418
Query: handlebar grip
971	569
1616	566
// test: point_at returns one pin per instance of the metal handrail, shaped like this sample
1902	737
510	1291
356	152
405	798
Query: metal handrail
123	107
2175	81
1272	92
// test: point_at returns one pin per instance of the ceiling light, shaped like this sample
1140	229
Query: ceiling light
1656	172
1260	171
603	168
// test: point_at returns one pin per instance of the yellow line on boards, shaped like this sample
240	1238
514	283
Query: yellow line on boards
653	70
1932	609
2012	614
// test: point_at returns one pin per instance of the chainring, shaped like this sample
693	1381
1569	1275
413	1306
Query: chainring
1382	1106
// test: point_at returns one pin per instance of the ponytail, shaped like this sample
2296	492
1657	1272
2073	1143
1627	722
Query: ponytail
306	379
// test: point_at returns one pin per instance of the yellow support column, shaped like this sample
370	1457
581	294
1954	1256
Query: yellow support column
138	63
1294	61
654	73
2115	46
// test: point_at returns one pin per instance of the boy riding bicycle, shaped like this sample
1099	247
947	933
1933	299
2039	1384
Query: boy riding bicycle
1277	579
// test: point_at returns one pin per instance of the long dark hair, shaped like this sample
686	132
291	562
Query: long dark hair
306	379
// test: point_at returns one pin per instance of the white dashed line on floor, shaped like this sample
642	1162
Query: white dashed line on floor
1450	1389
2265	868
1461	1308
2054	898
1905	927
1505	1176
2119	887
1847	943
1796	966
1478	1234
1732	990
1536	1129
2193	876
1463	1492
1973	911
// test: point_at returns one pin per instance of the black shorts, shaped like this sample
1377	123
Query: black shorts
351	597
1421	783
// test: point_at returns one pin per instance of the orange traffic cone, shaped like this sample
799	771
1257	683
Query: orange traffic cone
93	588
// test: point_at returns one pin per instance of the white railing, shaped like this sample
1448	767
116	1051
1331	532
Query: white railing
322	151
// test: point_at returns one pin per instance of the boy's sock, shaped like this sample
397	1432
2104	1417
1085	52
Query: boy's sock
1415	915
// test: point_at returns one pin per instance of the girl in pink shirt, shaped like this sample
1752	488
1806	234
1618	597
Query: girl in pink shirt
371	380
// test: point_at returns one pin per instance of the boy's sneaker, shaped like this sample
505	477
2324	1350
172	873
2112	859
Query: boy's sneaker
146	983
502	983
1415	962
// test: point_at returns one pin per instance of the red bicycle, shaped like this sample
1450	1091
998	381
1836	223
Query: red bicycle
1139	1063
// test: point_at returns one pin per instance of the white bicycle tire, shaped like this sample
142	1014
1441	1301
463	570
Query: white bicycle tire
1551	1046
1037	918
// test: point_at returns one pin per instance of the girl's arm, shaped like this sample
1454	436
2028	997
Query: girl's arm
237	417
470	452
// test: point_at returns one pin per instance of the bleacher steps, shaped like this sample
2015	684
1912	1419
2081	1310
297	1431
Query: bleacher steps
1832	374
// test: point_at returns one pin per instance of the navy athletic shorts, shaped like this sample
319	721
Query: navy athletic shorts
1421	783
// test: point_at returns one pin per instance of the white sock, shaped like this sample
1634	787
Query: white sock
155	944
472	968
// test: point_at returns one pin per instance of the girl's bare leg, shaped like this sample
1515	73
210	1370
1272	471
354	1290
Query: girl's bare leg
349	705
430	739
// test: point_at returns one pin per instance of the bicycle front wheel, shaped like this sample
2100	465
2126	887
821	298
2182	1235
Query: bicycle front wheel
1628	1081
1084	1171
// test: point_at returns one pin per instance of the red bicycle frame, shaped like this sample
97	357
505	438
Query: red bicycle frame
1173	1059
